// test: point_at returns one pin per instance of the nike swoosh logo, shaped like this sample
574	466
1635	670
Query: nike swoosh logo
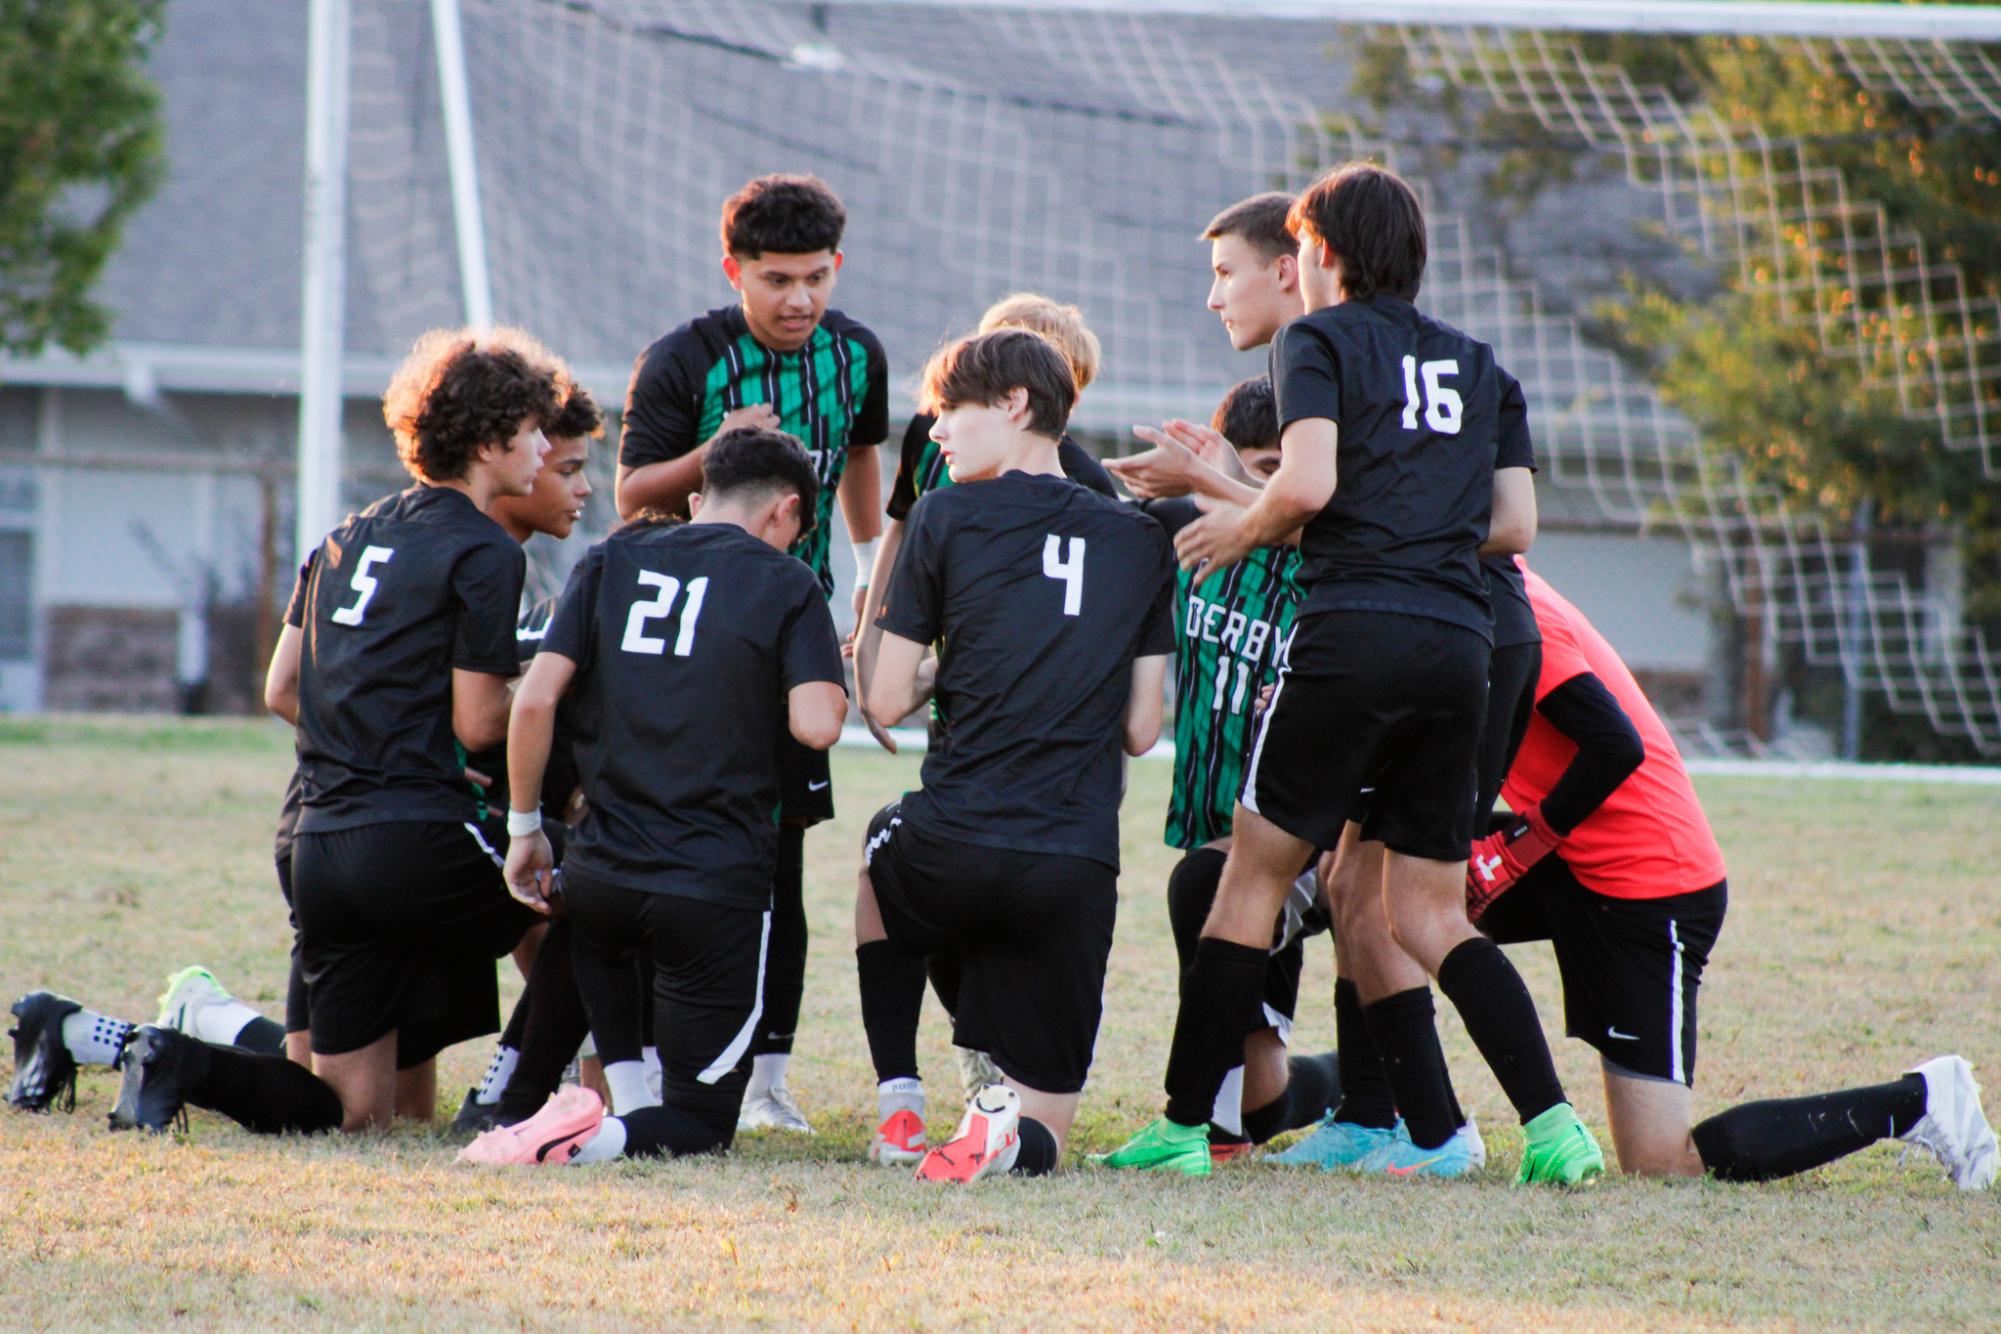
1614	1032
575	1145
1406	1171
815	787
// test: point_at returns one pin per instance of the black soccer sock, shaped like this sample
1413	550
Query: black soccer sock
1038	1154
553	1027
1366	1099
266	1037
946	968
1312	1085
1191	893
1220	990
670	1131
1761	1141
517	1018
892	986
267	1094
1500	1016
785	960
1405	1032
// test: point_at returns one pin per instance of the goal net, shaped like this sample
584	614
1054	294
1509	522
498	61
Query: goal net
985	148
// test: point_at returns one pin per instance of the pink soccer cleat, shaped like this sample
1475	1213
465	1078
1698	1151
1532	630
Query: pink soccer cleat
552	1136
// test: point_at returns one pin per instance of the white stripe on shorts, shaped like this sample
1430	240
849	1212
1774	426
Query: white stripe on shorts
739	1044
485	846
1674	1007
1250	793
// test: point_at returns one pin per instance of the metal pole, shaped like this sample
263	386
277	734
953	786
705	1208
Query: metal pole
1854	614
324	304
473	277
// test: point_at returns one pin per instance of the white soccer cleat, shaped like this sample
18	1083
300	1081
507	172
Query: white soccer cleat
900	1137
773	1110
1954	1129
1476	1148
189	992
986	1144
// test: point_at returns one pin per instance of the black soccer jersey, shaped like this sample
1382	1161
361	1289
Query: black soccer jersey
1231	626
1425	417
686	641
832	393
920	467
1514	618
417	584
559	779
1042	594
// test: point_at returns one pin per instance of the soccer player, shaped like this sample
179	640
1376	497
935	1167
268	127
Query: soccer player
1607	855
1053	605
777	359
408	649
1230	627
1385	679
662	630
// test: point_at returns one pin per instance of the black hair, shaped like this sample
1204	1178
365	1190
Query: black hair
1372	221
1248	414
749	460
783	215
1261	221
986	368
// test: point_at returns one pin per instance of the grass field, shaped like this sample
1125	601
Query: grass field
1864	934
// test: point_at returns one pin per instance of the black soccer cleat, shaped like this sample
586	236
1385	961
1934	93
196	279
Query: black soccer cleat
475	1117
43	1068
161	1068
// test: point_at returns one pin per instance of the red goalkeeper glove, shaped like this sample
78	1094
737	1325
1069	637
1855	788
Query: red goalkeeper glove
1503	857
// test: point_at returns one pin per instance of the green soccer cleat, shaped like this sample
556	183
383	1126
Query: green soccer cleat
1164	1147
1560	1150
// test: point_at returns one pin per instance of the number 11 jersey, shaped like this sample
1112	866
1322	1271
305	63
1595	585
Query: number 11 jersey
1039	594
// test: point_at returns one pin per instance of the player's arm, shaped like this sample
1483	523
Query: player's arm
281	678
868	636
1185	460
1300	489
1609	750
818	708
531	733
860	494
666	484
898	687
480	706
1513	526
1147	703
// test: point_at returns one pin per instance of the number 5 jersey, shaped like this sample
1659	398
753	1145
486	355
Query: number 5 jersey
1039	594
418	584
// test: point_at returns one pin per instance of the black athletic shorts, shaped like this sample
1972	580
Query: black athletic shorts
1630	967
1374	700
1511	678
1302	915
707	961
1032	930
298	1006
805	783
399	925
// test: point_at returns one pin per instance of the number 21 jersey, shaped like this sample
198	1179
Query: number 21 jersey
417	584
1040	593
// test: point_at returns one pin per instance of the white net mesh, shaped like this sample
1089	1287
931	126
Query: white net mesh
982	151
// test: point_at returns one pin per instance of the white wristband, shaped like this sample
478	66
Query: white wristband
865	561
520	824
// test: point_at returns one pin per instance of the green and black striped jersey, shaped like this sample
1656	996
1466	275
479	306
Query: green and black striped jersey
1231	626
832	394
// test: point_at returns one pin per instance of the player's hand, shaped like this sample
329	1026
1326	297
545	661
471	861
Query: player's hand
758	416
879	732
1168	469
1210	446
530	867
1214	539
1504	857
1263	702
476	778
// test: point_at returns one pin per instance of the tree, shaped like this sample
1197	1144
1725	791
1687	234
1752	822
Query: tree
80	151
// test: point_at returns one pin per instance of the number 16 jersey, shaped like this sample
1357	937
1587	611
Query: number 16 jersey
1039	594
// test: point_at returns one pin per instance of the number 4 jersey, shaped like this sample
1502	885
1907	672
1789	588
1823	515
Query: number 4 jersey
1040	594
1230	630
418	584
687	640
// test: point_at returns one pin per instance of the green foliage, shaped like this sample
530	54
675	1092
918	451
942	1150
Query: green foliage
80	151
